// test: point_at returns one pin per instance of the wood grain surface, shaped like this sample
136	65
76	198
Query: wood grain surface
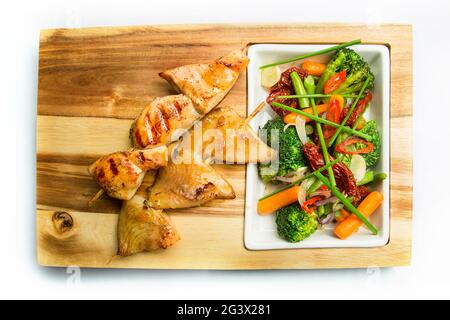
93	82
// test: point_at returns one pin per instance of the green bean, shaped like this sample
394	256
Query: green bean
299	89
368	177
379	177
310	86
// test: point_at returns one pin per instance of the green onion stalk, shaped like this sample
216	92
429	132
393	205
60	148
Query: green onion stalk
299	180
338	131
312	54
323	121
346	202
314	95
311	87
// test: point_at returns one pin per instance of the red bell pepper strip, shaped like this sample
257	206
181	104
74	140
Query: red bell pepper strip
342	147
335	107
335	81
306	205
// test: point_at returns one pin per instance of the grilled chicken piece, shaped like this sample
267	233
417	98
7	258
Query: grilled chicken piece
163	121
142	228
207	84
121	173
226	137
182	184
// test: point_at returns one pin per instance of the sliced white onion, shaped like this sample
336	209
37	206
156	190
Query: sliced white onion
358	167
301	195
299	173
301	130
288	125
307	183
293	176
285	179
270	76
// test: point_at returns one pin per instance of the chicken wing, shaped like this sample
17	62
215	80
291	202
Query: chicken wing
226	137
121	173
142	228
207	84
163	121
185	184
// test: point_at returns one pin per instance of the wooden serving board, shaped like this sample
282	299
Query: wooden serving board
93	82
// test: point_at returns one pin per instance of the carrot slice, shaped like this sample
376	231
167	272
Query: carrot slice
278	200
290	117
351	224
314	68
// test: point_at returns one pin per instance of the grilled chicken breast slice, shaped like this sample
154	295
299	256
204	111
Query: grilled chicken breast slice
186	184
121	173
207	84
163	121
226	137
142	228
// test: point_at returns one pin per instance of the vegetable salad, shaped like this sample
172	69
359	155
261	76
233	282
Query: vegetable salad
326	148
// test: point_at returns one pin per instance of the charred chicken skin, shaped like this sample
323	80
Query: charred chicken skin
121	173
207	84
163	121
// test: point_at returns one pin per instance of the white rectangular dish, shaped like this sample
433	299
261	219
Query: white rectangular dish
261	231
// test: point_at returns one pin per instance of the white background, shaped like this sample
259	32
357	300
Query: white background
21	277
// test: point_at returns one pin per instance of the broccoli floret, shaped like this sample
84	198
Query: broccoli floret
290	150
372	157
294	224
357	72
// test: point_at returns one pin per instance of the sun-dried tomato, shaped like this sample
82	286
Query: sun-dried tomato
360	106
345	180
363	192
284	91
284	88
